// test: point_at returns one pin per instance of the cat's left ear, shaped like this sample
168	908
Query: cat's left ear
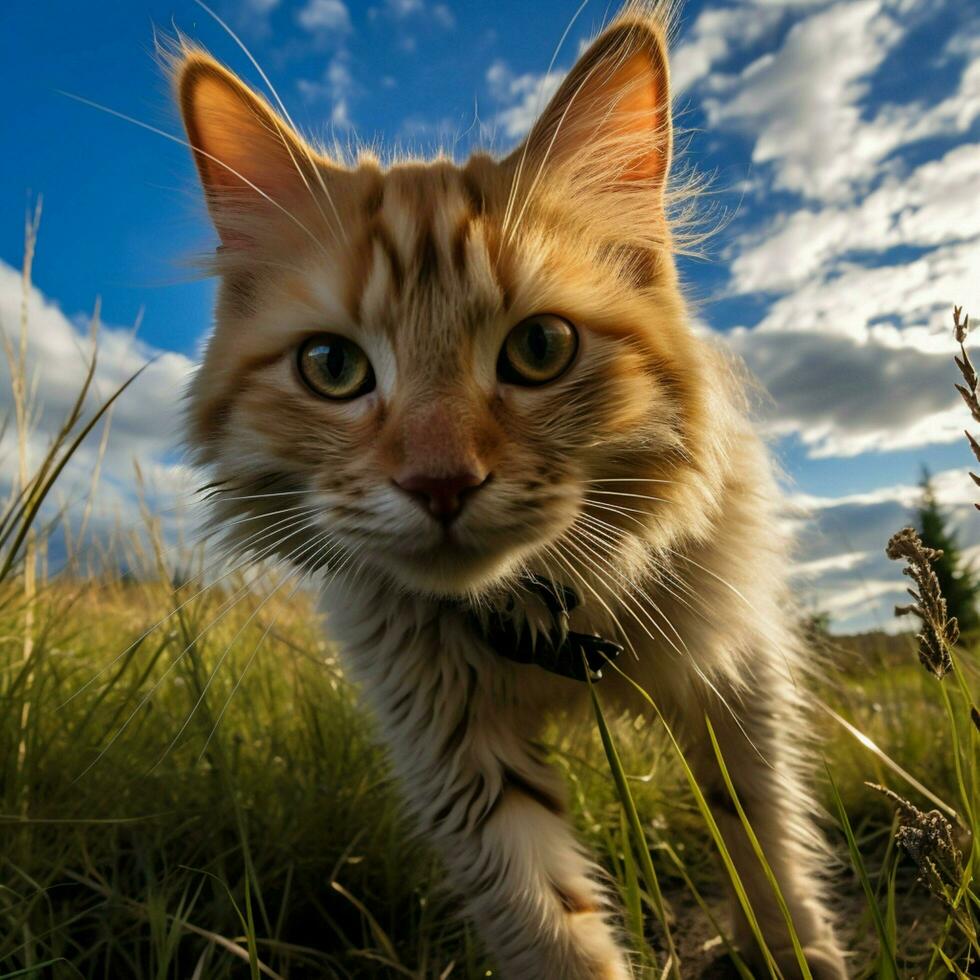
609	121
252	164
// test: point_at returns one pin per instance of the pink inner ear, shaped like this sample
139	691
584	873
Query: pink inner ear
251	151
639	111
248	159
264	176
609	122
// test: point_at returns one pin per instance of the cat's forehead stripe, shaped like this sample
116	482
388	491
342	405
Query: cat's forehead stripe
425	230
429	264
461	234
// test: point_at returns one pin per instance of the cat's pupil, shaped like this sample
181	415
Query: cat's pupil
335	361
537	342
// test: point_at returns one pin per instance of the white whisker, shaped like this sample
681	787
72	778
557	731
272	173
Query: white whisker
714	575
619	493
617	509
203	153
631	479
603	568
705	679
605	532
559	553
221	496
515	180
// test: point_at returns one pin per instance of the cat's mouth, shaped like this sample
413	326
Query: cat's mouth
451	564
451	560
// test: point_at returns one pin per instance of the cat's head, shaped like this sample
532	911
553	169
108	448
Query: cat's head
440	370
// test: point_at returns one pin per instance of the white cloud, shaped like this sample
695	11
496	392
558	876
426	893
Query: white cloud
251	16
443	16
858	277
898	306
920	208
714	38
321	16
806	104
403	8
842	566
336	86
801	103
522	97
845	562
439	13
858	357
146	421
843	397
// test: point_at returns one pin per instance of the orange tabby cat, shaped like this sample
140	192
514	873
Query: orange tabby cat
475	393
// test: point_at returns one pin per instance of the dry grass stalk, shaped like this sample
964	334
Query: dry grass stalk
24	415
970	390
971	395
939	631
930	840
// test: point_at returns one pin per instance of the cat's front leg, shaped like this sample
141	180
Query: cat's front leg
458	722
758	733
530	889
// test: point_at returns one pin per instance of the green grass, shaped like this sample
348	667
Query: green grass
189	788
283	848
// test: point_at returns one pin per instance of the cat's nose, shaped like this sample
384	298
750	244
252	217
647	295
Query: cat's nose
442	496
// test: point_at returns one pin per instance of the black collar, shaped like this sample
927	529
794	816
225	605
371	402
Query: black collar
580	656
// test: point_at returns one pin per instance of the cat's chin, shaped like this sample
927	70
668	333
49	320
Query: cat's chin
449	573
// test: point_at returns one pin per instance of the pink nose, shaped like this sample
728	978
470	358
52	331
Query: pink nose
441	496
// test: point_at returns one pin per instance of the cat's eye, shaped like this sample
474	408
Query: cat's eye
335	367
537	350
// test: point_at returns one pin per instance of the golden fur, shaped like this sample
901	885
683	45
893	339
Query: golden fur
634	478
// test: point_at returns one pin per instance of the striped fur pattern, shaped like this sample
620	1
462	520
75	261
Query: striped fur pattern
635	478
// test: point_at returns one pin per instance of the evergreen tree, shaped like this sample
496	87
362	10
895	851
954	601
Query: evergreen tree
959	583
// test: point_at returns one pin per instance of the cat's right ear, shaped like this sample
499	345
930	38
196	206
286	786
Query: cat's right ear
251	163
608	126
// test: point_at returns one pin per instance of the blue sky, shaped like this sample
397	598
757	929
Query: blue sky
842	138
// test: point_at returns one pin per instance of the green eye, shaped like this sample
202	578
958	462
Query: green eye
335	367
537	350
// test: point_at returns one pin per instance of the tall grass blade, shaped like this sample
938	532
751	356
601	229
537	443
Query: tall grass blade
632	898
633	818
887	968
743	971
253	952
759	853
716	835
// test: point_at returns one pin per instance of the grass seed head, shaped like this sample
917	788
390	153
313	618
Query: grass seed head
970	389
930	840
939	631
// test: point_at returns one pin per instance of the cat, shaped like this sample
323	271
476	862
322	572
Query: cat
475	393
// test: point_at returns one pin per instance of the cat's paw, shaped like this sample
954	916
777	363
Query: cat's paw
824	960
825	963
